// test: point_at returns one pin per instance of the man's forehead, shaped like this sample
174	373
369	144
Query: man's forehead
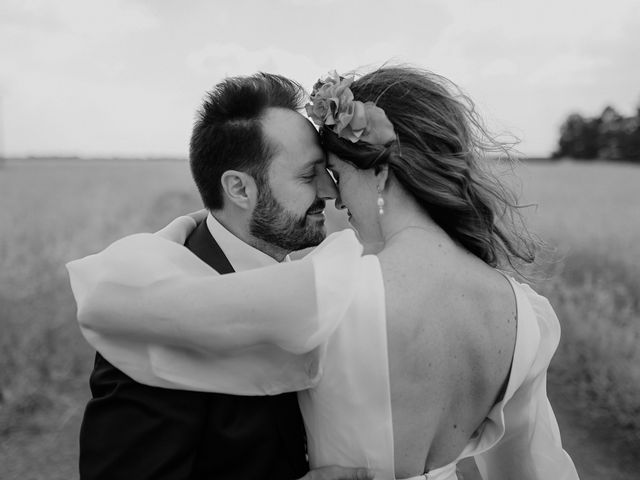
300	162
284	124
293	137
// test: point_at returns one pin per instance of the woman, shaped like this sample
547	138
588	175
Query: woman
416	357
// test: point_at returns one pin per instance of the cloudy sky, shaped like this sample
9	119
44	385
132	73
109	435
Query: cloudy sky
124	77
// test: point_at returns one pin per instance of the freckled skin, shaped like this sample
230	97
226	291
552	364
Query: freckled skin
462	342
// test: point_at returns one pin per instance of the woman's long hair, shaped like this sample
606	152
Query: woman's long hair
440	157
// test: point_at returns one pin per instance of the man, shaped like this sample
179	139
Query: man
260	171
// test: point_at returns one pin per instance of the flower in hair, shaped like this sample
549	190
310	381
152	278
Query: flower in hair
332	106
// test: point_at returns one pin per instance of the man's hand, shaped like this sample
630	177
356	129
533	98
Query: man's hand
339	473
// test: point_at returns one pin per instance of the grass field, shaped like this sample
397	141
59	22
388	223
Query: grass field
590	214
51	213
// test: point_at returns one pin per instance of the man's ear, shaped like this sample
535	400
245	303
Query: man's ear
239	188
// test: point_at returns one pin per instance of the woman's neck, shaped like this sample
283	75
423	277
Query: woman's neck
403	216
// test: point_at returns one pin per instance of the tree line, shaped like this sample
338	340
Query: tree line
610	136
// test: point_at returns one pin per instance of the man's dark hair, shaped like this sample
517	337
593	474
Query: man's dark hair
228	135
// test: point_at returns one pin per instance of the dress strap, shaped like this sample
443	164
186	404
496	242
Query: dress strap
447	472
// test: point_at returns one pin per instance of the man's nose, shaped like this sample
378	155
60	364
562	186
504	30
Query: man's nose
326	188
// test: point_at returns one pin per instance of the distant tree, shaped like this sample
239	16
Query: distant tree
610	136
578	138
631	145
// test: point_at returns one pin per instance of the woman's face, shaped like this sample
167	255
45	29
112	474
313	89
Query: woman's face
358	194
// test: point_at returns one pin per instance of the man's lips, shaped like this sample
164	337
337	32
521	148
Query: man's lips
317	210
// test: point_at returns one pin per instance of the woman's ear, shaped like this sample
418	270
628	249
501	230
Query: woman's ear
239	188
382	175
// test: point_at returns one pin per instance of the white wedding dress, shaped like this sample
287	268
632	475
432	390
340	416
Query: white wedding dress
316	326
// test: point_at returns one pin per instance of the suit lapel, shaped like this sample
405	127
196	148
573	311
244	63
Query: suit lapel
202	243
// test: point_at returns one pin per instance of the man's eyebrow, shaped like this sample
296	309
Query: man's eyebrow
317	161
310	165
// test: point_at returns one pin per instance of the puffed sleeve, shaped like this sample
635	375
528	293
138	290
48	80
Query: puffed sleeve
165	318
523	438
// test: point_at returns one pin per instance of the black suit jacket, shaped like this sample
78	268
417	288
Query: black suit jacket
132	431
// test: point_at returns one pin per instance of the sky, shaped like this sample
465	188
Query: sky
125	77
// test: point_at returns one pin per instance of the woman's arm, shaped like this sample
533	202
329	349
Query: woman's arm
161	315
531	448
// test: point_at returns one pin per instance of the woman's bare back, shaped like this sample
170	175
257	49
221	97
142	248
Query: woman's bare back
451	322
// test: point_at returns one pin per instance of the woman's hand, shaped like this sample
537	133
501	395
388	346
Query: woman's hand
180	228
199	215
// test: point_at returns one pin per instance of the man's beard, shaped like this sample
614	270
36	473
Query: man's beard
272	223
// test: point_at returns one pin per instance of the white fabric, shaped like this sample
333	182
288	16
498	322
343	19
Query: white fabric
355	384
520	437
155	311
140	304
448	472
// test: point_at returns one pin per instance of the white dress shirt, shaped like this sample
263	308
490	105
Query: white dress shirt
241	255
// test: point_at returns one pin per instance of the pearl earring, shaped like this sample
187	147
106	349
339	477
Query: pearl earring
380	203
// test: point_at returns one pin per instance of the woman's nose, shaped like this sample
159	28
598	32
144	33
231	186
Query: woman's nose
326	188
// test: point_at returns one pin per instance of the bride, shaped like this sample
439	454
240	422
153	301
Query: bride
409	358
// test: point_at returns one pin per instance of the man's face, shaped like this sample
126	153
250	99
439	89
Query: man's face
290	209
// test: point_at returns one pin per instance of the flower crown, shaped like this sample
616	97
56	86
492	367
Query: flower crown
332	105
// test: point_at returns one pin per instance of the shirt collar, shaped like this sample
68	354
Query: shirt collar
241	255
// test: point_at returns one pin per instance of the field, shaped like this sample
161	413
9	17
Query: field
52	212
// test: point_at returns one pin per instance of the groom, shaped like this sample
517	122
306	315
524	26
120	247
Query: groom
261	173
